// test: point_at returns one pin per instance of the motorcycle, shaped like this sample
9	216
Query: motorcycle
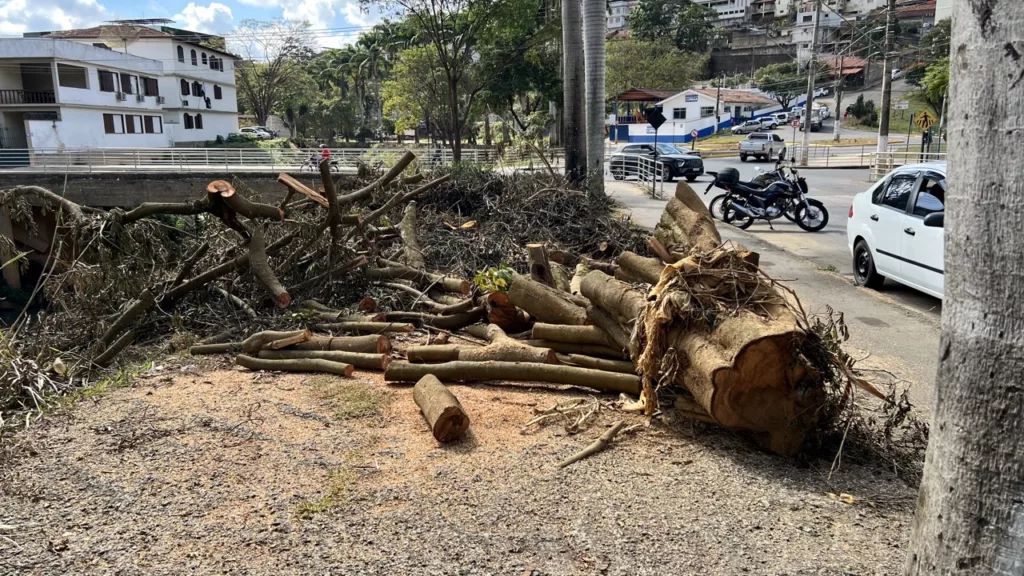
313	164
786	196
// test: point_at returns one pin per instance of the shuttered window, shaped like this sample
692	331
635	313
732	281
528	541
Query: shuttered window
153	124
113	124
107	83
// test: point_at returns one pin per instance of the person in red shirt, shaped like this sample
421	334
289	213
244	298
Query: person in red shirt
325	152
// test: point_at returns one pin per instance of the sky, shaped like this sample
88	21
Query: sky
335	22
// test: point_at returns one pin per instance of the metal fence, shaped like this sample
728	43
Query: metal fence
141	160
887	161
650	173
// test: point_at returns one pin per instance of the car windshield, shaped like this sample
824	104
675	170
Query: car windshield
668	149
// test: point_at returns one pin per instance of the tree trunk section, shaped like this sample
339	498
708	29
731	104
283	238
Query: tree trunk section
544	303
297	365
503	348
571	334
970	515
595	26
412	254
379	344
636	268
367	327
686	225
255	342
573	103
440	408
620	366
357	359
515	371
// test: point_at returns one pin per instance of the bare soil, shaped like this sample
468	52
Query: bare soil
213	470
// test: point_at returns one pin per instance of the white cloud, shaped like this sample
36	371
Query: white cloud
339	40
214	18
18	16
355	15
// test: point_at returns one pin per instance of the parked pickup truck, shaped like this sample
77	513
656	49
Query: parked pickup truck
761	145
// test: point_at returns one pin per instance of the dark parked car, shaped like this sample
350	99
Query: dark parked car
627	159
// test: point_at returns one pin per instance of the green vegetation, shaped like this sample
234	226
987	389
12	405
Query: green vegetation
654	64
691	27
248	143
786	82
339	484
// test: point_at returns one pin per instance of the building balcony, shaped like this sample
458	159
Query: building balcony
20	97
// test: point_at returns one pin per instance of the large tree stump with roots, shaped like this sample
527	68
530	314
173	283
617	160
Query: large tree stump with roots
686	225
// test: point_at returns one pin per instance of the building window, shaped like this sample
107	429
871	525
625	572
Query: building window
113	124
184	87
216	63
153	124
133	124
706	111
197	89
181	54
151	87
679	113
72	76
107	83
129	84
217	93
807	18
195	59
187	120
204	59
199	121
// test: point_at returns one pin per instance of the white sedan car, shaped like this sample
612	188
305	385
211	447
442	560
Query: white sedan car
895	229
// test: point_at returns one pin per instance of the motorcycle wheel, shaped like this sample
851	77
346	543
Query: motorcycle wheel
814	219
731	215
715	207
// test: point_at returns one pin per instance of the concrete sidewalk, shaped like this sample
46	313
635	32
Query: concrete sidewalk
887	335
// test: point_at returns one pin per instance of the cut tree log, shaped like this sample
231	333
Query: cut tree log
441	409
107	356
574	348
433	353
545	303
449	322
540	268
300	188
297	338
223	191
219	337
398	271
620	366
412	253
297	365
686	225
659	249
367	327
261	268
618	336
219	348
254	343
503	314
515	371
636	268
380	344
190	264
571	334
380	183
357	359
613	296
503	348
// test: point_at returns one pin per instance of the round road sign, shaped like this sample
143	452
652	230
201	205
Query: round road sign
694	133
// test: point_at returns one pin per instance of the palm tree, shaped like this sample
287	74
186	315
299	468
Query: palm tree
572	93
595	25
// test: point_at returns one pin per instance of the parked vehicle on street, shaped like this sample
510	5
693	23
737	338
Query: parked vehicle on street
824	112
761	146
744	202
748	127
897	74
815	122
626	161
258	132
781	117
768	122
267	130
895	229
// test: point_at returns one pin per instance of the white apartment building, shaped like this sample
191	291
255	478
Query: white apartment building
727	9
67	90
197	83
943	9
618	13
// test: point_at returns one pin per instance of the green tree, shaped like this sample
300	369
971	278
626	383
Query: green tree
417	89
783	81
934	45
935	84
691	27
272	53
654	64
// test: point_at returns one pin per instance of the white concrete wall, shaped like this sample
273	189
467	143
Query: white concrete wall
22	49
943	9
727	9
214	124
93	96
83	128
165	51
692	108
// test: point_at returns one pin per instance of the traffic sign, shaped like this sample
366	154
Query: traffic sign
902	105
655	118
694	133
925	120
795	123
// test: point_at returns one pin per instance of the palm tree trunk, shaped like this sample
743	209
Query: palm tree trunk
572	93
456	125
970	510
595	25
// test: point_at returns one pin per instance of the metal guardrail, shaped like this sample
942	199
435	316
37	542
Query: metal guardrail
141	160
649	172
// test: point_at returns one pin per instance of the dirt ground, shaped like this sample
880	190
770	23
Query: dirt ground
213	470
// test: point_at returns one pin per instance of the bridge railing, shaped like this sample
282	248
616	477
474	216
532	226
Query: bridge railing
141	160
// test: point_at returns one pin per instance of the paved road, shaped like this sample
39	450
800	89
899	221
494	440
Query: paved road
887	332
827	249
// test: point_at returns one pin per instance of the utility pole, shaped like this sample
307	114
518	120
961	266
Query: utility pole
883	119
811	69
839	100
718	99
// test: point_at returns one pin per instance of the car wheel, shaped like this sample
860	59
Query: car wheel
864	272
617	174
743	157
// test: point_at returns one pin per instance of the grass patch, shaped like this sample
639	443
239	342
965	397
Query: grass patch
828	268
339	484
120	379
348	400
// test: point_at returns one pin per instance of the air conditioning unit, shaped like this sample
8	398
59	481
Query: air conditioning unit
121	96
184	102
140	98
160	100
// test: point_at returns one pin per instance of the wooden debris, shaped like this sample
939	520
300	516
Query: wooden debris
596	446
296	365
441	409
